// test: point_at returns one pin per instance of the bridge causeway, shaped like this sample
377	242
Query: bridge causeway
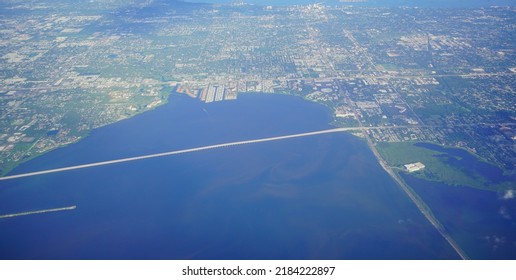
165	154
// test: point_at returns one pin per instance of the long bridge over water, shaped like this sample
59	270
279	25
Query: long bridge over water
191	150
425	210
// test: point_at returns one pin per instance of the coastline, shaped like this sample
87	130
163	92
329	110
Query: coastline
5	172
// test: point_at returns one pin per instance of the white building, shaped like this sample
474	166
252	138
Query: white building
413	167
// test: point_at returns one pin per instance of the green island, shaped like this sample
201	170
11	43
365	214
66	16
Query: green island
436	168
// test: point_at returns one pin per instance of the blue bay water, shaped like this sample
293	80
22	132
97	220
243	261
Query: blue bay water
318	197
482	222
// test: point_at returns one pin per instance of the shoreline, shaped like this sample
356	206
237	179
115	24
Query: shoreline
164	98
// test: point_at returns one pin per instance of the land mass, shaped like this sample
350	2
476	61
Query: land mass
408	75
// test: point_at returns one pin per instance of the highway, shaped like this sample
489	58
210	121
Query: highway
165	154
38	212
